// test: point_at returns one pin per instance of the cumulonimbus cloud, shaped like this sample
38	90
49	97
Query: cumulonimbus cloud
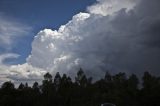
115	35
108	7
111	36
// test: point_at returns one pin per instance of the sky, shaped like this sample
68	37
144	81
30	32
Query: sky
63	35
32	16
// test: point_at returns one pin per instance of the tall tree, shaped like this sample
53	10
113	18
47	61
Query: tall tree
35	87
81	78
108	77
57	81
133	81
21	86
48	76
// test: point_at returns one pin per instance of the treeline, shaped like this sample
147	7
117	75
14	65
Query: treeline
62	91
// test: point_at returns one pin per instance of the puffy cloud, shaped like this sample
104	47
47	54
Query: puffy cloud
113	35
3	68
19	73
25	73
11	31
108	7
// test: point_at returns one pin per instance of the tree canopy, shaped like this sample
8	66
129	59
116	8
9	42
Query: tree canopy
118	89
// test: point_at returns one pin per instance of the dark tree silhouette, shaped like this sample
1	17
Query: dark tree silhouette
81	78
48	77
21	86
8	86
119	89
108	77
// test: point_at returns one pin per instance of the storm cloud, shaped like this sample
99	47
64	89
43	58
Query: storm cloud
115	35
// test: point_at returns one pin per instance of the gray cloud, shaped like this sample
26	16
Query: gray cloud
20	73
124	38
7	55
10	31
